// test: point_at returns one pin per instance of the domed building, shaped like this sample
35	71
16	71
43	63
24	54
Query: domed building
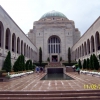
54	33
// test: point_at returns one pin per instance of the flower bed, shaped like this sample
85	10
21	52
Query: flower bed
90	72
20	74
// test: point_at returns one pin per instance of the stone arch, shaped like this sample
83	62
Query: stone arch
82	50
78	52
7	39
21	46
85	49
92	44
29	52
88	46
1	34
75	53
13	42
97	40
24	49
18	45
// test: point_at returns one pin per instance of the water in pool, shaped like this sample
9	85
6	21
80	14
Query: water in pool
57	76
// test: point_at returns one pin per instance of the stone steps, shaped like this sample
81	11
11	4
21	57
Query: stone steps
54	64
51	98
50	95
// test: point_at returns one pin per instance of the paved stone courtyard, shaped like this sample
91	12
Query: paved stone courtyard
33	83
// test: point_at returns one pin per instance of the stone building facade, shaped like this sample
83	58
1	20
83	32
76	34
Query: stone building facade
88	44
13	39
54	33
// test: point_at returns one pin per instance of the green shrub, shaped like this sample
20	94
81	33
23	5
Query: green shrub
87	63
19	64
91	63
7	63
48	59
84	64
40	55
60	58
79	64
96	63
29	65
69	56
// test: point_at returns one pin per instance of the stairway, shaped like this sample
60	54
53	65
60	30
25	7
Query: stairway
54	64
50	95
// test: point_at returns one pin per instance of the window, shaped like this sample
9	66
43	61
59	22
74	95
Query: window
54	45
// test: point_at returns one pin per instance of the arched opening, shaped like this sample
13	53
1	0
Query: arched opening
21	46
18	45
82	50
7	39
92	44
13	42
54	47
88	46
75	54
54	44
97	41
78	52
27	51
24	49
31	53
1	34
85	49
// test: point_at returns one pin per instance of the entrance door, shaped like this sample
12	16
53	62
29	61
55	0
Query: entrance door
54	58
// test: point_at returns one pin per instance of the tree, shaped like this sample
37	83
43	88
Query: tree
87	63
29	65
60	58
7	63
76	66
96	63
48	59
84	64
91	63
69	56
40	55
19	64
79	64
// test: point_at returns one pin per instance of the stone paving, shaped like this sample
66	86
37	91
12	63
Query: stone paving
33	83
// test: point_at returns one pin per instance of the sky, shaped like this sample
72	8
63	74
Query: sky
25	12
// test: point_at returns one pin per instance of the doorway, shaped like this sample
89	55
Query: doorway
54	58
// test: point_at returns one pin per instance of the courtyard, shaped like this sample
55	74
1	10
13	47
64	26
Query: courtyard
33	83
